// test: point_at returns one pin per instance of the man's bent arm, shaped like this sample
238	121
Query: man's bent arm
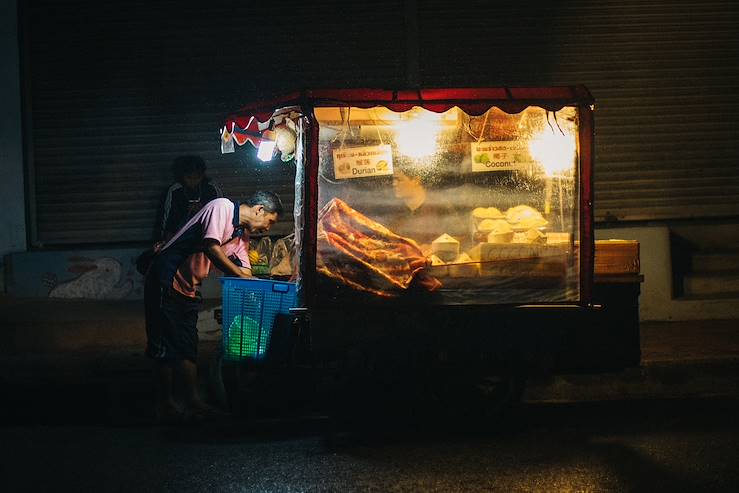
216	255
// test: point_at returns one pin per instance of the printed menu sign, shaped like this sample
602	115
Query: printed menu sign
358	162
503	155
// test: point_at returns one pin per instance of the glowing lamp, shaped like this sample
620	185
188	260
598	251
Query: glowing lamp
554	150
417	137
266	146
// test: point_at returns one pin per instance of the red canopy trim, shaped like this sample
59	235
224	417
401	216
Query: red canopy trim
248	122
473	101
251	129
248	133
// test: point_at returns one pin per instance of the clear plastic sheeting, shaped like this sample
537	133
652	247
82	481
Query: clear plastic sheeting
299	206
488	204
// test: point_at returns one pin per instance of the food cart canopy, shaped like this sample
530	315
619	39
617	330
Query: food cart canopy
253	117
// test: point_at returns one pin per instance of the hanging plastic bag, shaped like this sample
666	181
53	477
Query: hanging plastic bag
281	263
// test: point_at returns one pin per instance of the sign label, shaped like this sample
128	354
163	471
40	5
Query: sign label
502	155
358	162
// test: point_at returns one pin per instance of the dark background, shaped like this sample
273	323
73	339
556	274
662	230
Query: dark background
115	90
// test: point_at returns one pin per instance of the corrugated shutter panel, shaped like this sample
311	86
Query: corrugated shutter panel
664	74
119	89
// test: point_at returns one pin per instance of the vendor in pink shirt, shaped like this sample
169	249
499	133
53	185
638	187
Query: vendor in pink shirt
218	235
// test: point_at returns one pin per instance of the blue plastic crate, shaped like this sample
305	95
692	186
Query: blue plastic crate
249	310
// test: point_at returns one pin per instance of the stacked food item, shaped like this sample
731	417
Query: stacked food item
448	261
510	243
520	224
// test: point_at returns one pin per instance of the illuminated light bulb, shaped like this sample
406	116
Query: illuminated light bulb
267	145
417	137
554	151
266	149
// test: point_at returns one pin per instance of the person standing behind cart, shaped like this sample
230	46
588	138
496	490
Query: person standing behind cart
191	190
424	214
217	235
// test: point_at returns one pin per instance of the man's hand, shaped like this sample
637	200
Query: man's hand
216	255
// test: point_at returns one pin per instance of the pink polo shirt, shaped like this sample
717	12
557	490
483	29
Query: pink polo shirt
215	220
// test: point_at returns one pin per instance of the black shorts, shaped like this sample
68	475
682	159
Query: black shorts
171	323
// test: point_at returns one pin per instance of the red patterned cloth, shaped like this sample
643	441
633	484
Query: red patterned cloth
365	255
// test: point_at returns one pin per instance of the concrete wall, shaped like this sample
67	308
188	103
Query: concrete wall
13	211
654	251
656	301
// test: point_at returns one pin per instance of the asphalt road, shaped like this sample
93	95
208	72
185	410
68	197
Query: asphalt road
636	445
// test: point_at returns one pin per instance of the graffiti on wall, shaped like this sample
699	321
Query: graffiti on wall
105	274
102	278
82	274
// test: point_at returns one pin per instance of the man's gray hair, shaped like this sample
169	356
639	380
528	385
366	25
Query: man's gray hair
269	200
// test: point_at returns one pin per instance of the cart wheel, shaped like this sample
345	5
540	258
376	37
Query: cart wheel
501	396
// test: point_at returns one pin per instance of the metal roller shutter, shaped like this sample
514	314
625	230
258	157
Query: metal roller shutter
664	74
119	89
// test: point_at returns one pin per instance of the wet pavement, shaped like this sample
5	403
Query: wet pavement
113	384
79	418
635	445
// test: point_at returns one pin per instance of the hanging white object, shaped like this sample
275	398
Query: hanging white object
266	149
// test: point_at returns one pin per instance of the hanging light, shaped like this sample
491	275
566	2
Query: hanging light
266	149
277	139
267	143
554	150
417	137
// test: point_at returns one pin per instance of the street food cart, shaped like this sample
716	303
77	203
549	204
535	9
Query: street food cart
436	232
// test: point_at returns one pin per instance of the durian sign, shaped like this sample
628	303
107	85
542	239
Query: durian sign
360	162
502	155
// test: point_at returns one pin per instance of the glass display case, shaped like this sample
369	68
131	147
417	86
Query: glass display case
436	197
